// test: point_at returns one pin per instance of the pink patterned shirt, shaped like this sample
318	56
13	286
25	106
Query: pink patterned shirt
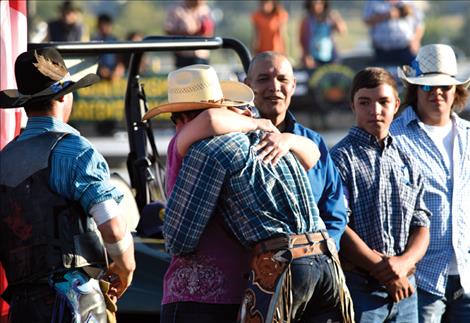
216	272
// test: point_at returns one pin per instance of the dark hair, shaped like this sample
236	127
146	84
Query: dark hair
175	116
41	106
105	18
371	77
308	4
460	98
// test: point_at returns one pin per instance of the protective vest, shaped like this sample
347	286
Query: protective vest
40	231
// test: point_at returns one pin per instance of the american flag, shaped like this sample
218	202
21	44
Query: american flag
13	41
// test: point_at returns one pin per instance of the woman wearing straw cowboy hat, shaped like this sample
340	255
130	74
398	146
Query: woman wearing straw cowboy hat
52	183
197	101
430	130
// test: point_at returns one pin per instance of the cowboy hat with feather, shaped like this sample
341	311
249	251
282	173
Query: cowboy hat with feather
41	75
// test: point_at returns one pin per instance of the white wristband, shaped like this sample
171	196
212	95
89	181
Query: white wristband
119	247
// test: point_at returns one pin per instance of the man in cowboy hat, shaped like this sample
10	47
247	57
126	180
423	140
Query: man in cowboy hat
55	194
196	100
268	208
430	130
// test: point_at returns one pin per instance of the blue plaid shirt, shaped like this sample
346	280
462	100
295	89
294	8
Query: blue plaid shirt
78	171
258	201
325	182
447	197
385	191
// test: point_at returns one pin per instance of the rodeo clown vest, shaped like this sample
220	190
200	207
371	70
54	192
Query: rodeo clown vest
40	231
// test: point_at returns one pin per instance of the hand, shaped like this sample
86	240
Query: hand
120	280
273	146
391	268
400	289
266	125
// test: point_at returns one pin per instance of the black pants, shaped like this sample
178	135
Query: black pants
192	312
33	303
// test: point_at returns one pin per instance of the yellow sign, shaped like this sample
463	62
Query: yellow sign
105	100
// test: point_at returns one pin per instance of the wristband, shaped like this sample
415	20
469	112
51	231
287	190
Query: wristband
119	247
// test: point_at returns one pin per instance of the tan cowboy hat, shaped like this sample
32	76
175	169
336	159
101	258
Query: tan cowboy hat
435	64
197	87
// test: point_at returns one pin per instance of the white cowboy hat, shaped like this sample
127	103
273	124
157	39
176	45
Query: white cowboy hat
435	65
197	87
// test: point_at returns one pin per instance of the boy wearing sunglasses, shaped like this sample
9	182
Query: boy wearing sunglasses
430	130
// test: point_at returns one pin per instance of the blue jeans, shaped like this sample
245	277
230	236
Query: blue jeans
453	307
192	312
315	290
373	304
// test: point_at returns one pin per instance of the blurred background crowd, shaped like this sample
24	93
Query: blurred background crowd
277	25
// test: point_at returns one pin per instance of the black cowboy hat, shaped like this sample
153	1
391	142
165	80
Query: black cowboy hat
41	75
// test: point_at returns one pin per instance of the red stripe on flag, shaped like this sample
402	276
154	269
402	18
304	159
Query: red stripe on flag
13	41
19	5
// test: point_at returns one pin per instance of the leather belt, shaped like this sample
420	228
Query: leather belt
306	244
318	248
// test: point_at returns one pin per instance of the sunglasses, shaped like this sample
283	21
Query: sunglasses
429	88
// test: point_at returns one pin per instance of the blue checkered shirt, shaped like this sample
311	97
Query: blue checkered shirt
258	201
447	197
385	191
78	171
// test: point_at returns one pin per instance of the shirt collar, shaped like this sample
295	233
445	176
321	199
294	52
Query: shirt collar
410	116
47	123
362	136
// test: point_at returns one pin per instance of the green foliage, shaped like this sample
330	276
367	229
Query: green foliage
143	16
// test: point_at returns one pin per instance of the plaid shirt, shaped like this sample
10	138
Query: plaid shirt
385	191
447	197
325	182
258	201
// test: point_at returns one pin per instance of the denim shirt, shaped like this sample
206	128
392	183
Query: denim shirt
78	171
447	197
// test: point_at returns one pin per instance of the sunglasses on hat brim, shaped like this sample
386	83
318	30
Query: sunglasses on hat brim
429	88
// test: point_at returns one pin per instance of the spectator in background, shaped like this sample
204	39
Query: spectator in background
396	28
430	130
131	36
190	18
388	230
69	26
316	33
109	65
268	22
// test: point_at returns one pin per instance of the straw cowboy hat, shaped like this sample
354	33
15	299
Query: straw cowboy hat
41	75
197	87
435	65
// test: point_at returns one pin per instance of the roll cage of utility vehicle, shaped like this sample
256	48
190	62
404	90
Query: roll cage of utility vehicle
145	168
